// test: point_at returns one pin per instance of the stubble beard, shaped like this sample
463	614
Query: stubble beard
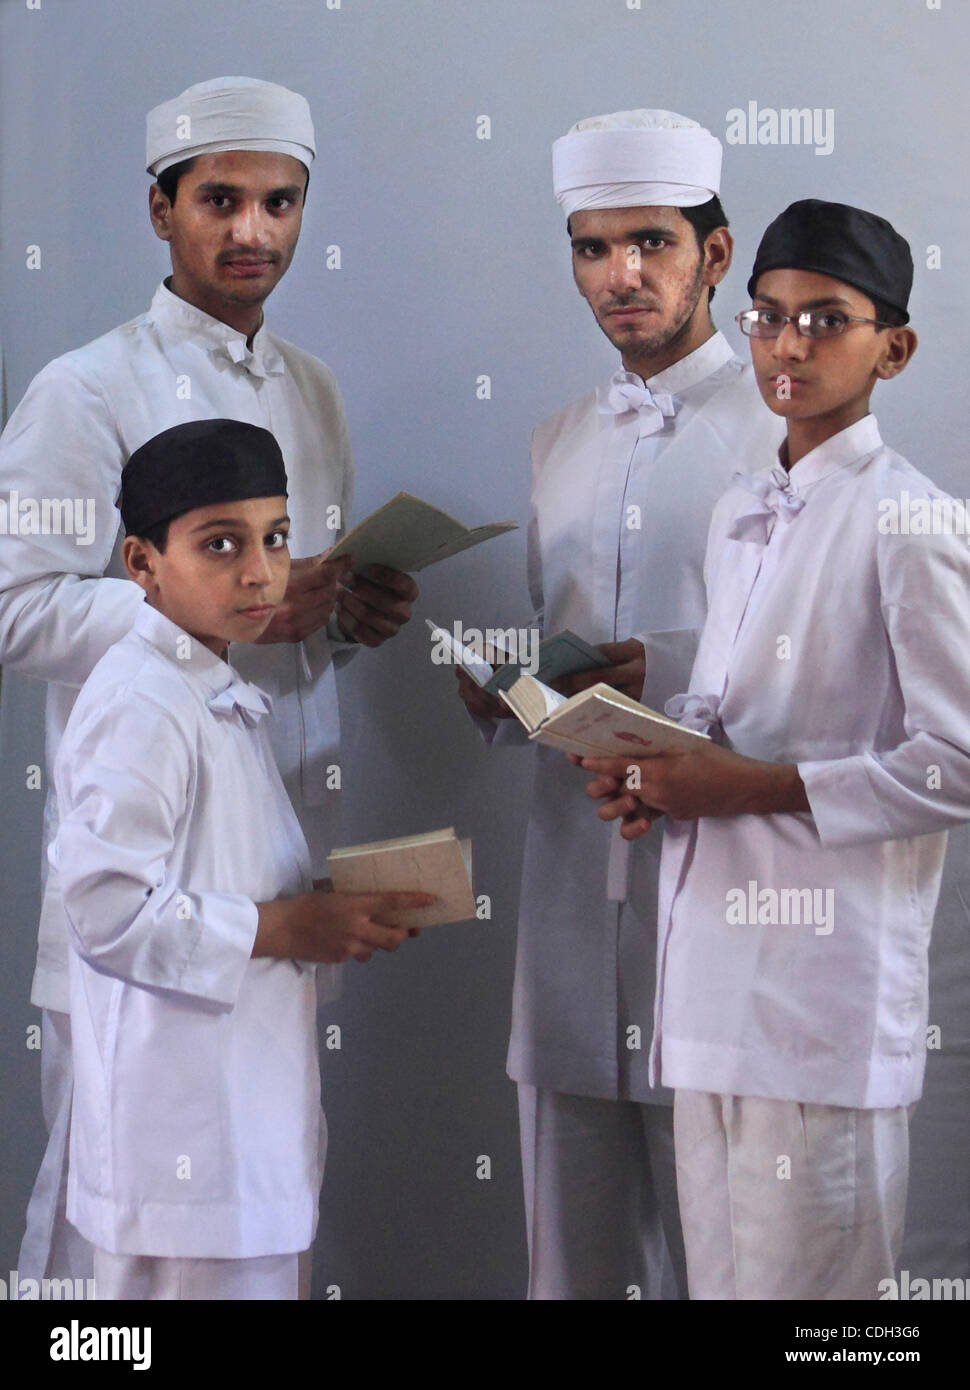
647	347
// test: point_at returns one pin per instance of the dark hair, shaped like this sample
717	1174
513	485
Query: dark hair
157	534
168	179
706	218
885	313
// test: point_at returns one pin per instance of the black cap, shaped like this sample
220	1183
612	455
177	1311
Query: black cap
196	465
857	247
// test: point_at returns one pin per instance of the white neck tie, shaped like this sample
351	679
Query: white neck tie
627	394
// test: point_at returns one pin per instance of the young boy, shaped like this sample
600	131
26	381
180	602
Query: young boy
197	1140
802	860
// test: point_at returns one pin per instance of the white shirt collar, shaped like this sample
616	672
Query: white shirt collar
695	367
184	651
177	316
849	446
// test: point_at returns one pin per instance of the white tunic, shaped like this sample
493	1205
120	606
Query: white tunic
196	1112
70	437
616	545
841	647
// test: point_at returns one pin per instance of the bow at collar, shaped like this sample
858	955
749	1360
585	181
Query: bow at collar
266	362
777	499
627	394
239	697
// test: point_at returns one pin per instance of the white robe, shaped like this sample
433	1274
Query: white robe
69	438
837	645
616	544
196	1126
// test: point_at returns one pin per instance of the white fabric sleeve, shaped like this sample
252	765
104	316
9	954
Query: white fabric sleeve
122	793
669	659
509	732
60	449
342	649
923	784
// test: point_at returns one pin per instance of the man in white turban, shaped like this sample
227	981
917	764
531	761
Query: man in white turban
624	482
231	160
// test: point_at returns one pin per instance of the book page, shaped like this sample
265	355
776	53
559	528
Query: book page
531	701
408	534
434	863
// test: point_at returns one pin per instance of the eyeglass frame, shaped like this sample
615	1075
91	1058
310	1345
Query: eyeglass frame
745	317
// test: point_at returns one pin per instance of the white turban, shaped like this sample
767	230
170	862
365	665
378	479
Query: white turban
229	113
636	159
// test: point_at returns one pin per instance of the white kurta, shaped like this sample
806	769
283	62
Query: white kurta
196	1122
841	648
70	437
616	544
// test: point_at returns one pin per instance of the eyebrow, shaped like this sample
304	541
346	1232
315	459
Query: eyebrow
809	304
231	522
640	234
289	190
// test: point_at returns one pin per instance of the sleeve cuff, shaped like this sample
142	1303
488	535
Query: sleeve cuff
844	806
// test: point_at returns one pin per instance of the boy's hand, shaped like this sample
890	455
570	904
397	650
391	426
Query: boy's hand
707	781
309	599
375	604
478	701
333	927
628	665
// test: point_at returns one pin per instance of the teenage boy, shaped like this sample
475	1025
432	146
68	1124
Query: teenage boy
230	161
196	1136
802	856
624	483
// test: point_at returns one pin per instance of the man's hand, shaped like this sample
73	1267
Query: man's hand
333	927
478	701
309	599
375	604
628	664
707	781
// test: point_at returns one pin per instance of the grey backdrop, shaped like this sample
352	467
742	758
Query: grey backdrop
455	264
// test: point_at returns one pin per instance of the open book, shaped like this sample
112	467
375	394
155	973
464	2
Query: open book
600	720
559	655
408	534
436	862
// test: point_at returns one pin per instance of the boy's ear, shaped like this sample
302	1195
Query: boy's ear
899	347
139	557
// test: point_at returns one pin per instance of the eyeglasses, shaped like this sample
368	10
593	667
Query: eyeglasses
813	323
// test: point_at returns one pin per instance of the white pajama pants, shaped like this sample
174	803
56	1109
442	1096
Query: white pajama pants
782	1200
600	1198
150	1277
51	1247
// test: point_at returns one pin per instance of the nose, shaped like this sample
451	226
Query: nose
249	226
624	268
790	343
257	569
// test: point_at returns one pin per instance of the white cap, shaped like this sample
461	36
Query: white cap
229	113
644	158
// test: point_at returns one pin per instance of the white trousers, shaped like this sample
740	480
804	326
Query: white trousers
51	1247
600	1198
144	1277
781	1200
